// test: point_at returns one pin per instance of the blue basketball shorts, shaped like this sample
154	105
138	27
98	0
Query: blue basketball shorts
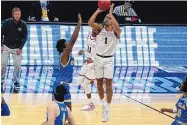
67	97
176	123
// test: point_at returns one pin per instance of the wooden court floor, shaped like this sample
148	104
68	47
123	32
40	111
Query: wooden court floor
30	109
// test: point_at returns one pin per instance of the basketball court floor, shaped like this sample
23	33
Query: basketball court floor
139	92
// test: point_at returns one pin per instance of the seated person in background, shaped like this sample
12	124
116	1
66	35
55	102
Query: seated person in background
43	10
126	10
4	108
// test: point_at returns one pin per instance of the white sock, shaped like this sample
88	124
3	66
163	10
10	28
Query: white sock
90	101
109	104
102	101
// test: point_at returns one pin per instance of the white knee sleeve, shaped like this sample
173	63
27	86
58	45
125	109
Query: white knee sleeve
80	80
86	85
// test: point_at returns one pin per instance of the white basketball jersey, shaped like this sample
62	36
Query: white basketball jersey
106	42
91	50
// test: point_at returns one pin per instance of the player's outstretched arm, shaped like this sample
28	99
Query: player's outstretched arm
117	29
51	114
167	110
91	21
76	31
69	46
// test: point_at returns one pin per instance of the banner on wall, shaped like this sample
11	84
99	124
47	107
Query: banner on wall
160	46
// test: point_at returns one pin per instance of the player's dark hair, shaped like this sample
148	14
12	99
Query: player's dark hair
59	93
183	86
60	45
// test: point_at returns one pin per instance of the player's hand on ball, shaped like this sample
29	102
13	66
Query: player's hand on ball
80	52
100	11
162	110
79	18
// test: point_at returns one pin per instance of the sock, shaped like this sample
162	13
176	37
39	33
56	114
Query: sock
102	101
109	104
90	101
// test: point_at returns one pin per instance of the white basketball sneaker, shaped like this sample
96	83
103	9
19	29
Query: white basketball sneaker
88	107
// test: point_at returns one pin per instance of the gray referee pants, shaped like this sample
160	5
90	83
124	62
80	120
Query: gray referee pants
4	60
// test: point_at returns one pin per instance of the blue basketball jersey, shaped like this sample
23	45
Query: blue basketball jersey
63	115
182	109
65	73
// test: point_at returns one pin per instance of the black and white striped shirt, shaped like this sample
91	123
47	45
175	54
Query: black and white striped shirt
120	11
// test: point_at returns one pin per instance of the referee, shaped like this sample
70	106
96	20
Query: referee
13	38
125	10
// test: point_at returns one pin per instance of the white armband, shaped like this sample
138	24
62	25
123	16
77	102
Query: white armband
174	110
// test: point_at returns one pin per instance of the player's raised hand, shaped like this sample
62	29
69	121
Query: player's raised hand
99	11
79	19
111	8
80	52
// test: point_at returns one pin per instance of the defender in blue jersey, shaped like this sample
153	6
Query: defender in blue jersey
57	112
65	74
181	107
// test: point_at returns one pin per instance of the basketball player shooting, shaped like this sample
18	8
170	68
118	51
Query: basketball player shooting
87	72
65	74
106	42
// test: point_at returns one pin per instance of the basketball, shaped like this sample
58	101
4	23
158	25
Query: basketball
104	4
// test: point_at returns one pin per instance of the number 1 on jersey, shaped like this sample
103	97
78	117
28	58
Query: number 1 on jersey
105	40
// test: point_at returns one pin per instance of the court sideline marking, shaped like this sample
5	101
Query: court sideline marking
148	106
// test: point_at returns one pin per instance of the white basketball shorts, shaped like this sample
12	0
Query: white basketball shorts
104	67
88	71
